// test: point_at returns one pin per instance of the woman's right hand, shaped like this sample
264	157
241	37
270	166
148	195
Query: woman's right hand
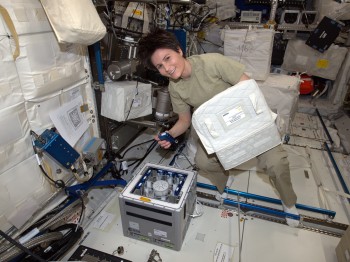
163	143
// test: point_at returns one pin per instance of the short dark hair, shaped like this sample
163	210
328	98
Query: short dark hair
158	38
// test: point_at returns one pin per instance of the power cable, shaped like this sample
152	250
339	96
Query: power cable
24	249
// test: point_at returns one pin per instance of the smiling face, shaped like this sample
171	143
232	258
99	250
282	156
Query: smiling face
170	63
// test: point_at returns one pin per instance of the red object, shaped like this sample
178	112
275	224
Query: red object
306	85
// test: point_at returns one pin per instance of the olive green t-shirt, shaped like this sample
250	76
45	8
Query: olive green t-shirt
211	74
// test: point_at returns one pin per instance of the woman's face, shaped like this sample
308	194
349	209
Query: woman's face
169	62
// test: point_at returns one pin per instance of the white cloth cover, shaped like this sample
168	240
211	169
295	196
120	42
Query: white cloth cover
300	57
74	21
121	97
251	47
282	94
28	17
234	119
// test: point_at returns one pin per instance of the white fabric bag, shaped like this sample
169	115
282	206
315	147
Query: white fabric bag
74	21
251	47
300	57
236	124
282	95
125	100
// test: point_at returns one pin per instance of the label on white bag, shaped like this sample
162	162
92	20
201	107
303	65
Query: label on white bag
137	102
233	115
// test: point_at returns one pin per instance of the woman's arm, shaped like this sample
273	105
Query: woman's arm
180	127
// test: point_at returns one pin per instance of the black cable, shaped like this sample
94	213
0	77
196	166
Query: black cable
166	153
82	210
146	154
130	18
21	247
201	46
127	30
191	165
137	92
58	183
210	42
143	158
136	146
123	172
72	234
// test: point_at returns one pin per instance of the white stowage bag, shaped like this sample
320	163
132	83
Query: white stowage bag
282	95
236	124
251	47
125	100
74	21
300	57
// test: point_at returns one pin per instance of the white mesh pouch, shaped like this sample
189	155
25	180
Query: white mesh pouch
233	117
253	48
74	21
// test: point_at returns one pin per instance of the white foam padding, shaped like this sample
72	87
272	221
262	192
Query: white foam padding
28	17
253	48
281	93
15	143
126	100
10	88
234	119
44	66
300	57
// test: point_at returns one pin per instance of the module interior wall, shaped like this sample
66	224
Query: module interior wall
44	77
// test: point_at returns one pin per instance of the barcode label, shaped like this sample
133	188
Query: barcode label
251	16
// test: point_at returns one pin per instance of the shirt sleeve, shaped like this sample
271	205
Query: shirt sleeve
179	106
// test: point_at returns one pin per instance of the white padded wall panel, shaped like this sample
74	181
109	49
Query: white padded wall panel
27	179
38	109
38	113
28	17
42	78
10	88
2	32
15	144
44	66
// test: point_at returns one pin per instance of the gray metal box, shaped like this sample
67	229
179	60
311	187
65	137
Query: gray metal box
157	204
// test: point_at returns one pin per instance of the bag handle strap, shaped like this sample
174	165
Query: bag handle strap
12	28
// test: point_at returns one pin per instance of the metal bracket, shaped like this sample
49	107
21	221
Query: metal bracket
77	190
